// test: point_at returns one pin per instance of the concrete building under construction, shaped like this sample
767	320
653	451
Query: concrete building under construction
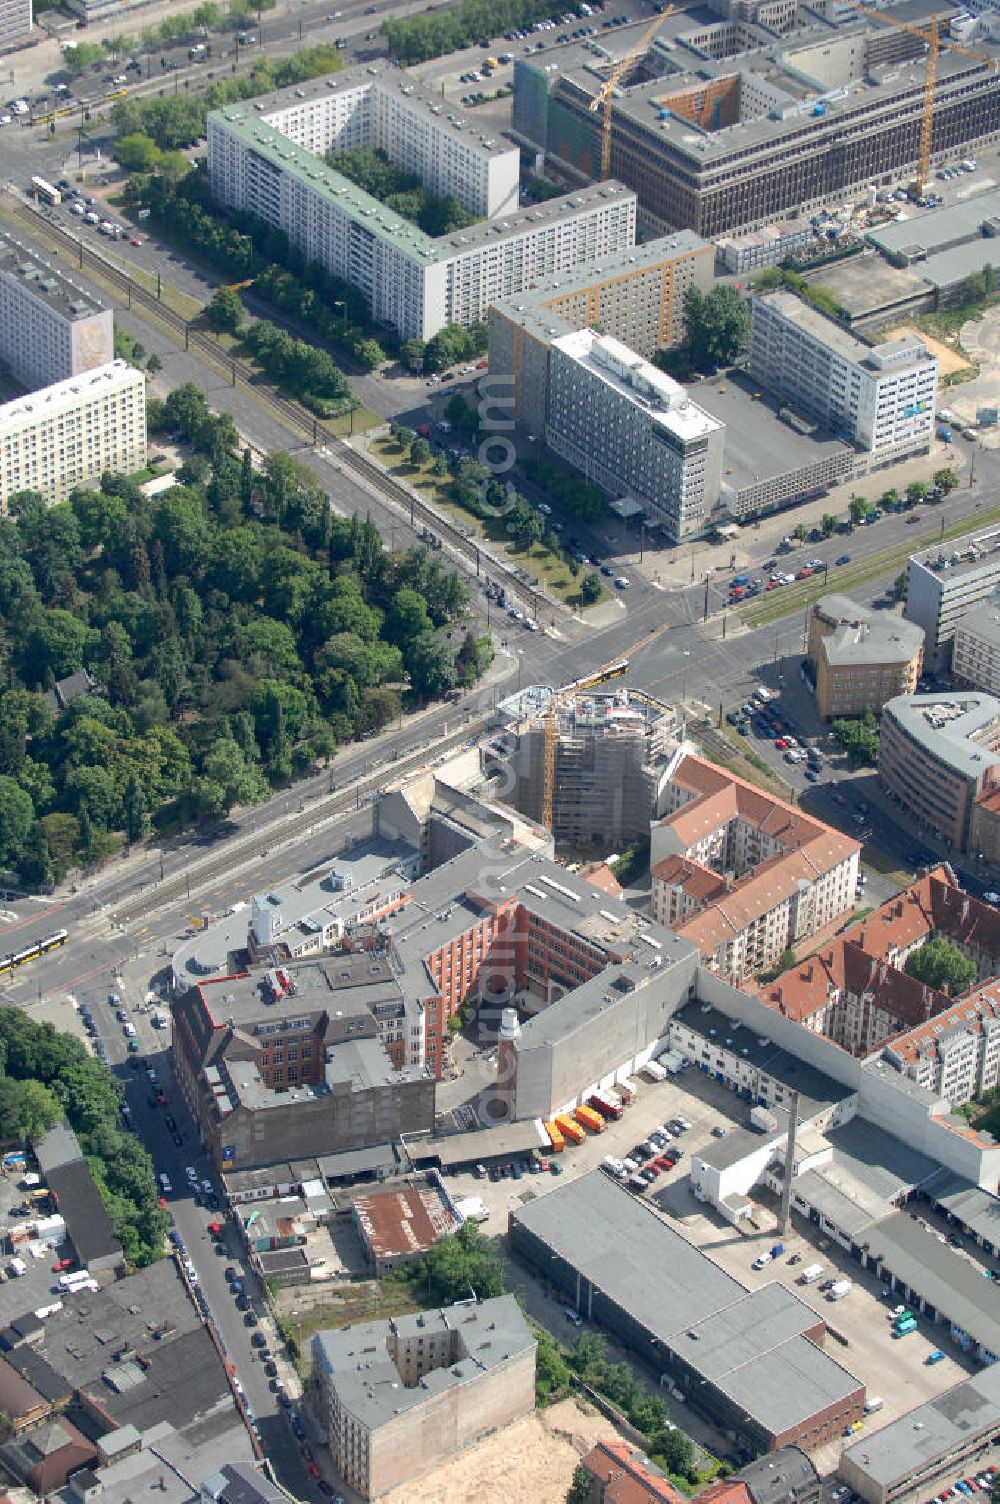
612	758
724	125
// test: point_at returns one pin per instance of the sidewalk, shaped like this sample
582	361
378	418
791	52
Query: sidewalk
679	568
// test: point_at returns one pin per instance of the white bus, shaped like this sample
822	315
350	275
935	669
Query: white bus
44	192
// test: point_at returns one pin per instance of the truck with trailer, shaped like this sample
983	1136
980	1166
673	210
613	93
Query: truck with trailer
839	1290
607	1104
588	1118
654	1071
570	1129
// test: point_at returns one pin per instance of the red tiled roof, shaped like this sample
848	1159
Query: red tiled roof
599	875
862	960
628	1476
700	883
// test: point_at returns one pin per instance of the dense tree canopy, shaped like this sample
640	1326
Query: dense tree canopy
236	630
45	1075
401	191
942	966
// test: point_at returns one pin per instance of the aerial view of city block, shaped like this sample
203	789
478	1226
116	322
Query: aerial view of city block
499	751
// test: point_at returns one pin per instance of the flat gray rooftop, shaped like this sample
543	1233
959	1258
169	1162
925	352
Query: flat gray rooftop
749	1345
759	444
358	1359
951	742
49	284
935	1430
866	284
975	1208
816	1090
931	230
952	1284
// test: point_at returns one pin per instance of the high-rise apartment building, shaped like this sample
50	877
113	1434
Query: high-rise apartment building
267	155
16	23
634	431
881	398
50	329
638	292
71	433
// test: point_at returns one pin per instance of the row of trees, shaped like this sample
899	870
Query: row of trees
401	191
237	631
241	246
179	120
468	24
45	1075
304	369
860	508
587	1362
203	18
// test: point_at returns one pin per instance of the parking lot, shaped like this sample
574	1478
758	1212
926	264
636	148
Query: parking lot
33	1290
860	1325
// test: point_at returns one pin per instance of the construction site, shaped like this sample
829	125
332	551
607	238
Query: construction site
770	110
588	762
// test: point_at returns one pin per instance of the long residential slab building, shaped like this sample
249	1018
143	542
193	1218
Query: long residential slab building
70	433
267	156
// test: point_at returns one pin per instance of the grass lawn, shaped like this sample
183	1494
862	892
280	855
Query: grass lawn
551	570
791	598
348	1304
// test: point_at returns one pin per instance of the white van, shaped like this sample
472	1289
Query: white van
874	1403
165	1185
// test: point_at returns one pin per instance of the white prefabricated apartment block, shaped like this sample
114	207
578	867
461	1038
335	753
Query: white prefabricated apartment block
68	434
50	329
634	431
15	23
267	156
881	398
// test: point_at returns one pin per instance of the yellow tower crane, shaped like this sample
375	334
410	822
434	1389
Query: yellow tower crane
929	34
603	99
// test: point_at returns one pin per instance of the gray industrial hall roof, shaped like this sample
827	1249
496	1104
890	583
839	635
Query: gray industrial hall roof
975	1208
884	1164
935	229
950	267
481	1146
748	1344
357	1161
935	1430
836	1203
924	1262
